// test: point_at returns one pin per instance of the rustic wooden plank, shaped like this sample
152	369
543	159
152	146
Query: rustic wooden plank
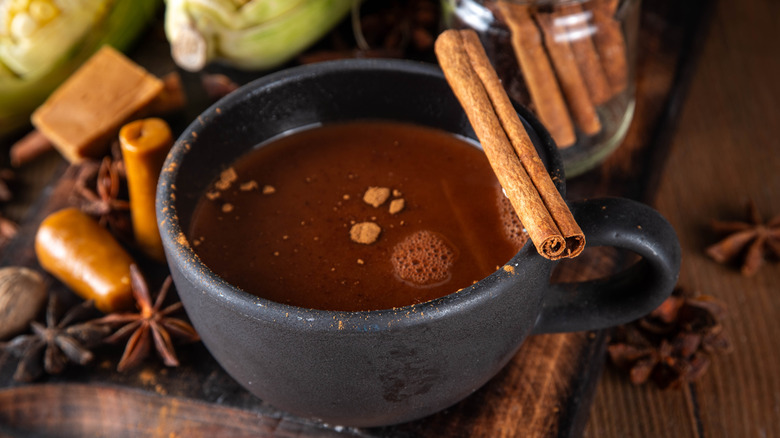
725	151
61	410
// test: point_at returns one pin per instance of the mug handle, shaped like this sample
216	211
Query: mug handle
628	295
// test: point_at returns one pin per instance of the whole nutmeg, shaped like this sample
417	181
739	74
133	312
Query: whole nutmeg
22	295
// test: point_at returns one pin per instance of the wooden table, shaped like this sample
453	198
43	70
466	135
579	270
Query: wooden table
726	149
724	106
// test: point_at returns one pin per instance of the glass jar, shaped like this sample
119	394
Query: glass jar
571	62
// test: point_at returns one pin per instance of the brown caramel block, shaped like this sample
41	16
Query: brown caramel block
74	248
88	109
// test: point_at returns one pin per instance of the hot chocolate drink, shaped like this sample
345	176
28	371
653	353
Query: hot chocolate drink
357	216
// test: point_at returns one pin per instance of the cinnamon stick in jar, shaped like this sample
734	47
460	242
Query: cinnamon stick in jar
578	32
514	159
611	45
538	73
572	83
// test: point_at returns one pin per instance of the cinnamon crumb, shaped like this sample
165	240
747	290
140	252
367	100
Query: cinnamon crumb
226	178
360	261
509	268
276	253
345	197
212	195
365	233
397	193
227	207
268	189
376	196
396	205
249	185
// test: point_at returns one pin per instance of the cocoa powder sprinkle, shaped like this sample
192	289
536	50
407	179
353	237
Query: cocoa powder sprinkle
376	196
226	178
396	205
365	233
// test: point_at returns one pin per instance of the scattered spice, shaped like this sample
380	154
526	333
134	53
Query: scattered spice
227	207
673	344
365	232
376	196
213	194
754	241
226	178
248	186
150	325
49	348
269	190
396	205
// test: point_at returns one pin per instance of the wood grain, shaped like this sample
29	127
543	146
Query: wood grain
726	150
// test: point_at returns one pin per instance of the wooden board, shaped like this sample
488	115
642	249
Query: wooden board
544	391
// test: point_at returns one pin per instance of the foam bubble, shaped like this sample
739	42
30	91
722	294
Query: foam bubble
510	223
424	258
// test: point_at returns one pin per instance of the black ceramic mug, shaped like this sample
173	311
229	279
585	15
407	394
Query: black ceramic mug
388	366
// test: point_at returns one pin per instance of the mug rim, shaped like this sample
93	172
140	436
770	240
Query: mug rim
180	252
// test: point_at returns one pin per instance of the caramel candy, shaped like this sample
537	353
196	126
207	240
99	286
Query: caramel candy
88	109
74	248
145	144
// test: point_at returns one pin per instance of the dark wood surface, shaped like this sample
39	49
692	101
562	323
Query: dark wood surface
726	149
546	390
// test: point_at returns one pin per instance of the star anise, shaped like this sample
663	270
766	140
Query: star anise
673	344
49	348
99	187
755	240
150	325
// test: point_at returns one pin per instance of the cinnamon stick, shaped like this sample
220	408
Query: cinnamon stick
538	73
578	31
28	148
509	149
611	47
573	85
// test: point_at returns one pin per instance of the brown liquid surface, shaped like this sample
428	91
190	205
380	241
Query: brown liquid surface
293	245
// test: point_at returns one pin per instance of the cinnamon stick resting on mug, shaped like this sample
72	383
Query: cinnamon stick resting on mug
539	205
